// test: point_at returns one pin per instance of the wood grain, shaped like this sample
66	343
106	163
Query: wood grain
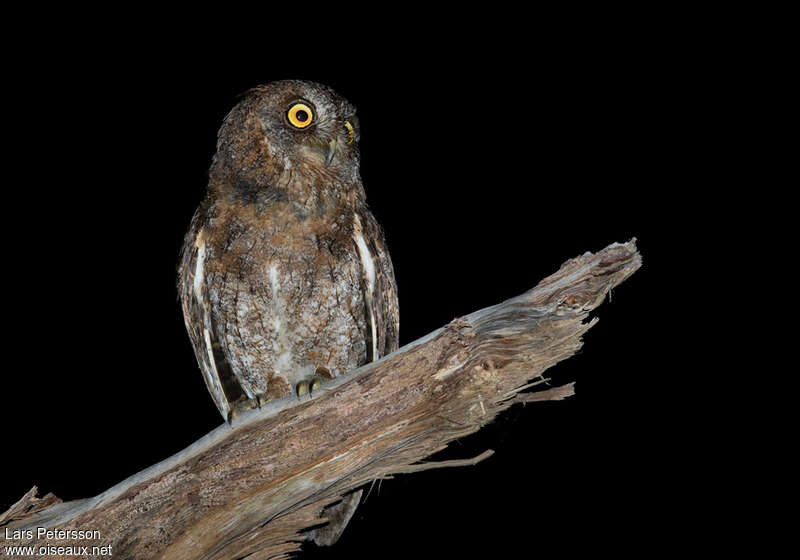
255	488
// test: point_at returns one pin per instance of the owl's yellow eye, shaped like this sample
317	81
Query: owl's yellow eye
350	132
300	115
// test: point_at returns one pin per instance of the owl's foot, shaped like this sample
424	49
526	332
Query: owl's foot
308	386
243	405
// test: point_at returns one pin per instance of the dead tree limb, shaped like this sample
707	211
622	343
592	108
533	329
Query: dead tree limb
254	488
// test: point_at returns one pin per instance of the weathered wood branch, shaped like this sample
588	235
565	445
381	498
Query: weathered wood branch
254	488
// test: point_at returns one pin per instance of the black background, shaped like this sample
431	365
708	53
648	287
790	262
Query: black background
487	168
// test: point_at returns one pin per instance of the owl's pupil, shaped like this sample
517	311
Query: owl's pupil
301	116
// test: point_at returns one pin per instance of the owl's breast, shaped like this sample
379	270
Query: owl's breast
287	299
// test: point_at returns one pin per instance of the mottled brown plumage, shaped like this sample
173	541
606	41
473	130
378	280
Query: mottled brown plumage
284	275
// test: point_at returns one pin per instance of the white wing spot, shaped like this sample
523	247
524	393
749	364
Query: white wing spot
199	270
369	270
212	377
214	381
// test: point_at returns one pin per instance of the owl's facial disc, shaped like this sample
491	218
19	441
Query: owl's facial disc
300	116
306	128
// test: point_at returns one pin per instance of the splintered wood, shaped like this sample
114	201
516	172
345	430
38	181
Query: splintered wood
254	488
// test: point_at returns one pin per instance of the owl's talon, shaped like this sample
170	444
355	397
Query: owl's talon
244	405
308	386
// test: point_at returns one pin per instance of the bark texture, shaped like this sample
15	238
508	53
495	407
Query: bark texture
257	488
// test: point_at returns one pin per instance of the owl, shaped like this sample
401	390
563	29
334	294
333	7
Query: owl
284	278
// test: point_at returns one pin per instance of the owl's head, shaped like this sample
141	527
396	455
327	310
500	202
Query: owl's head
290	130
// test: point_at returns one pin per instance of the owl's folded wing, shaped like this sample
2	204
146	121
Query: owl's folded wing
221	383
384	296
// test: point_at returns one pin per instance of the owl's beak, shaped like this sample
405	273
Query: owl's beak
331	152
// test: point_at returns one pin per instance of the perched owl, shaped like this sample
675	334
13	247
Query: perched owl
284	278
